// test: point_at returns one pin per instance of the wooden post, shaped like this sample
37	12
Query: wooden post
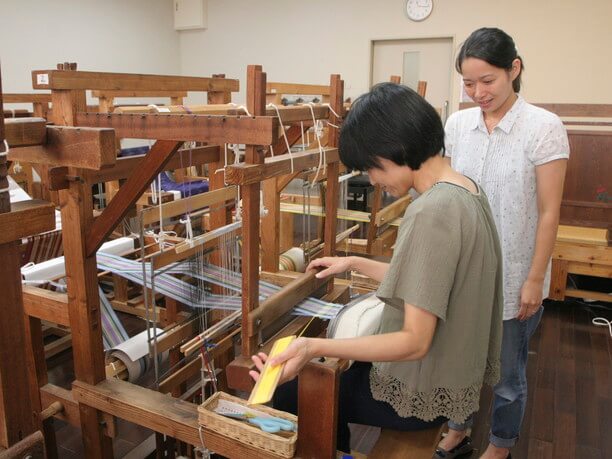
17	418
270	223
332	192
82	283
256	105
219	97
318	389
374	208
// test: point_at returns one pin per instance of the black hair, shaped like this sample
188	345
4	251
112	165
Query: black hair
392	122
493	46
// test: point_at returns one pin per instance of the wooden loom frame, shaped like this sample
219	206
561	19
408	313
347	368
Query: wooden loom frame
92	396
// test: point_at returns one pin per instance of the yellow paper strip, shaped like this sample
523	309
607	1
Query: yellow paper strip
268	379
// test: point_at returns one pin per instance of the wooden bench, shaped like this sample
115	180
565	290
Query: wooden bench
394	444
580	250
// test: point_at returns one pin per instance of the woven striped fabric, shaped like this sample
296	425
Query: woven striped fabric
113	332
191	295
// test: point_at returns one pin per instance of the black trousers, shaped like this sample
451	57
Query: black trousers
356	405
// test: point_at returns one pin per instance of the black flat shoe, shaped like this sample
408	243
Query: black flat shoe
462	449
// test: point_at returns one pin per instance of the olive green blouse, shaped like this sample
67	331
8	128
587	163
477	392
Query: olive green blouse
447	260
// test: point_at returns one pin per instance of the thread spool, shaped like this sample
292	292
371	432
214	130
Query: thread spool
292	260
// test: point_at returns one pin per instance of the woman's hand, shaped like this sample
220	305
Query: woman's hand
297	354
531	299
332	265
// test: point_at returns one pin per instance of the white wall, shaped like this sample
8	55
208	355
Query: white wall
100	35
565	43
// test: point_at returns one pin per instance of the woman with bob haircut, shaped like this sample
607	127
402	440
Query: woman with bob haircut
442	289
518	153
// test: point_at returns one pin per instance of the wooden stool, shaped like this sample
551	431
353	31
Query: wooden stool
580	250
394	444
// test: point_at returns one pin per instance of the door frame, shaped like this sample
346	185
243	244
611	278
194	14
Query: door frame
453	90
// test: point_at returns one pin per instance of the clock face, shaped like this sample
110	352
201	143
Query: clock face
418	10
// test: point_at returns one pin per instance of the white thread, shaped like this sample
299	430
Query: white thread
237	153
238	107
42	281
4	190
302	130
603	322
205	451
263	211
332	110
115	370
238	204
188	229
153	193
284	133
159	109
318	133
6	149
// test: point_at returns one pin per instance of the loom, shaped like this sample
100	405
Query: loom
72	175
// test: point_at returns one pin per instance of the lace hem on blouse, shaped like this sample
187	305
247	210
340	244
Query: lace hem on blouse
454	404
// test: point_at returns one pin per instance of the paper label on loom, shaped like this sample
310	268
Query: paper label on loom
42	78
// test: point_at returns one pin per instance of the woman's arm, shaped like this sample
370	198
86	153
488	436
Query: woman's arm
336	265
549	189
410	343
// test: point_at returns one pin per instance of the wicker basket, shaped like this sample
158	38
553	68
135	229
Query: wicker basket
243	432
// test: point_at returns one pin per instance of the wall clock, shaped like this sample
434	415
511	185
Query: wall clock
419	10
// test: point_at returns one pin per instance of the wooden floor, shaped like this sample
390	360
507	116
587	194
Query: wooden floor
569	409
569	412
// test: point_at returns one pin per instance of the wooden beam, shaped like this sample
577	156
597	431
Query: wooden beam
143	407
297	113
23	98
296	88
62	79
87	148
153	163
245	174
215	129
136	93
26	218
46	305
199	201
22	132
124	167
392	211
282	301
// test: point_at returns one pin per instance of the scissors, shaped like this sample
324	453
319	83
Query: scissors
267	424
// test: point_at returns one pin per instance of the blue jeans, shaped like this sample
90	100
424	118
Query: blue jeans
510	393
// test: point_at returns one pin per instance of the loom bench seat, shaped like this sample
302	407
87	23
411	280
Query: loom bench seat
393	444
